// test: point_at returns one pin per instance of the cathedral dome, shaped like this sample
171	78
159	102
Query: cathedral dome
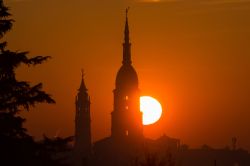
126	77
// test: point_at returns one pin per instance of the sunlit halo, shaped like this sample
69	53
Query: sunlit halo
151	110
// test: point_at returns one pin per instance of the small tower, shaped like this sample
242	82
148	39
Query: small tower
82	145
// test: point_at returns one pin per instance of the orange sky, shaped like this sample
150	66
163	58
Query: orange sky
192	55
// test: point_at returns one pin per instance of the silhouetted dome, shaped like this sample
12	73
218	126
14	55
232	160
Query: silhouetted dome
126	77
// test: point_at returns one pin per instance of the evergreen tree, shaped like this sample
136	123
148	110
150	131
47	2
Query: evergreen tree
16	146
15	95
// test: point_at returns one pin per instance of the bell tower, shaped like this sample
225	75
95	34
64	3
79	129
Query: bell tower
126	116
82	145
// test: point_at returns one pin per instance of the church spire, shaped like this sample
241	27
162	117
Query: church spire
126	44
82	147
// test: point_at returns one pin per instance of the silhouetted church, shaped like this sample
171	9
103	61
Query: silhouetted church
126	140
126	143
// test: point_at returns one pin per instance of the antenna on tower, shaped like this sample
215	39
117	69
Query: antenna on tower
127	9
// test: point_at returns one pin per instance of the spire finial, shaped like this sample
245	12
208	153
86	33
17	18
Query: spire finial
126	44
127	9
82	73
82	86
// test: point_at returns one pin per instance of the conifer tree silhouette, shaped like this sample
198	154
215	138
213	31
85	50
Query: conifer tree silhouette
16	146
15	95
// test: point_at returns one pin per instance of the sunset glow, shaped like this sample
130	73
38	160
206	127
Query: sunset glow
192	55
151	109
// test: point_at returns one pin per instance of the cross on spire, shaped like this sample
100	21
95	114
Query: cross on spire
83	73
82	86
127	9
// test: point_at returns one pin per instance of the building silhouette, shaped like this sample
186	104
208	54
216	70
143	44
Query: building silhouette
126	116
82	146
127	143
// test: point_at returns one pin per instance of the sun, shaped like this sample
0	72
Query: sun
151	110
